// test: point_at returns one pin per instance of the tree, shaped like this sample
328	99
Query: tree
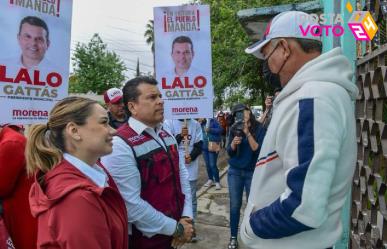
95	68
232	67
150	40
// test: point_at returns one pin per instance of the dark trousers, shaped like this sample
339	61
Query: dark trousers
238	181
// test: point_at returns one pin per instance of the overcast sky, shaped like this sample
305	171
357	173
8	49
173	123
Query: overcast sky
121	24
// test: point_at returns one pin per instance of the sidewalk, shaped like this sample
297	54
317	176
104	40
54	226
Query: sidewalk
212	224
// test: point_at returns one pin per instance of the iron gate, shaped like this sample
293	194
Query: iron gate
369	213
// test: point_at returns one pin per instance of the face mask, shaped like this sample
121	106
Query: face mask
272	78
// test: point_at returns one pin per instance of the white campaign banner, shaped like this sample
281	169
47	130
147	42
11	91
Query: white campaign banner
183	60
34	58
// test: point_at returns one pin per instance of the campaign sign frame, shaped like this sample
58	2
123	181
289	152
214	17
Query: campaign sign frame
183	60
34	58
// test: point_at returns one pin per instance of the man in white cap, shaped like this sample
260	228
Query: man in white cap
305	167
115	106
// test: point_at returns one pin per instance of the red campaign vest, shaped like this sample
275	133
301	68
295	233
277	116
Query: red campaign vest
160	181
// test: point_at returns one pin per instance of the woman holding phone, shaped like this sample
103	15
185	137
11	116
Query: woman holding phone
246	137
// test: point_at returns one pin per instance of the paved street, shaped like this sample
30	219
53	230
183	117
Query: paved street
213	211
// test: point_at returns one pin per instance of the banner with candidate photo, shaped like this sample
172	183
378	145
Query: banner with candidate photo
34	58
183	60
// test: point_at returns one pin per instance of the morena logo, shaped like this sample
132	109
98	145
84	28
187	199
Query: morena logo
184	110
29	113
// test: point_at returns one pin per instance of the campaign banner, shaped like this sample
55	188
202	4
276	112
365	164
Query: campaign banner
34	58
183	60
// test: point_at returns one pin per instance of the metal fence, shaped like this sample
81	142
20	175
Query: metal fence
369	213
369	189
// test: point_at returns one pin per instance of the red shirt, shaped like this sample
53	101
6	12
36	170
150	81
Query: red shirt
14	188
74	213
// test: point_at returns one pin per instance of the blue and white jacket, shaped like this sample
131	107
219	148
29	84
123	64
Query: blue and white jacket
307	160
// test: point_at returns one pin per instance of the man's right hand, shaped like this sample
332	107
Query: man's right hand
177	242
188	228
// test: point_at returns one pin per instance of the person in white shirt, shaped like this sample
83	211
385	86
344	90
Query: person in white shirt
145	165
190	139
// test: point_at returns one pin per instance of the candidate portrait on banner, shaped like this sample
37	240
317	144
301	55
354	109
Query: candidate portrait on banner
183	60
33	39
34	58
182	55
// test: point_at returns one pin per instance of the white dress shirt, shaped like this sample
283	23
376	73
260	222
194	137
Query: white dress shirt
45	65
122	165
95	173
191	73
174	126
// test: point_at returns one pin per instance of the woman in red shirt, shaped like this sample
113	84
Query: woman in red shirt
73	197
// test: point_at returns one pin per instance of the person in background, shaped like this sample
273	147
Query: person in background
17	127
266	116
189	137
14	188
145	164
212	131
115	106
75	200
246	137
222	121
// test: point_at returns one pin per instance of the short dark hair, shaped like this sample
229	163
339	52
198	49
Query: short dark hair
309	45
183	39
130	90
35	21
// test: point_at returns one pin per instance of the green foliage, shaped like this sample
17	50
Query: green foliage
150	40
95	68
232	67
149	35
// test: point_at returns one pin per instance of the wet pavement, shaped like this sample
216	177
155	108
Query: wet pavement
212	224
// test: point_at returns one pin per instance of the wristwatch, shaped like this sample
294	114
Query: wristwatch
179	231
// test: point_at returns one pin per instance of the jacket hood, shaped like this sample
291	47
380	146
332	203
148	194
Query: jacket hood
62	180
332	67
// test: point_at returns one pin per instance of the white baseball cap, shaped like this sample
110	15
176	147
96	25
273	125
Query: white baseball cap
285	25
113	95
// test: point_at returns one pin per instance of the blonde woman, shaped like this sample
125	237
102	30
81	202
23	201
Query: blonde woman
75	200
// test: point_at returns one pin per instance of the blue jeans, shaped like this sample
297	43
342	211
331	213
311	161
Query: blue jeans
238	180
211	158
193	185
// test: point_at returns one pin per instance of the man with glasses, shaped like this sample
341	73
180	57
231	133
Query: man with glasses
305	167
